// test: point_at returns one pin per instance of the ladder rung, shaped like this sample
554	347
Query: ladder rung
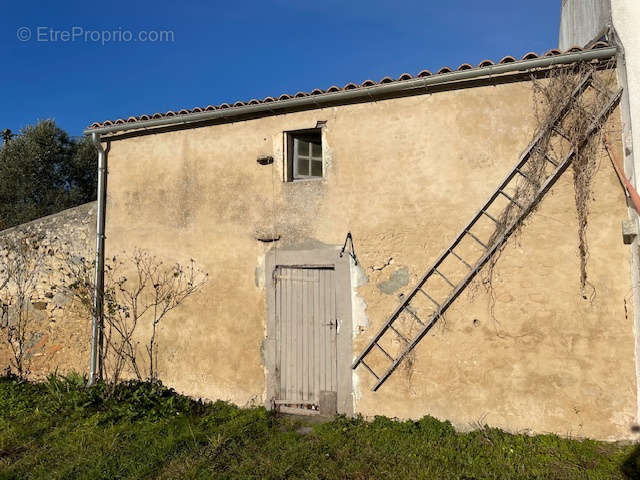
511	200
444	278
429	297
369	368
550	160
525	176
560	166
460	258
415	317
385	352
477	239
484	212
559	132
598	89
399	334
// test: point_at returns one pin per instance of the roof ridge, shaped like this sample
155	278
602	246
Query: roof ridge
349	86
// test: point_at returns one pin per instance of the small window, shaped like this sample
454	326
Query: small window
305	154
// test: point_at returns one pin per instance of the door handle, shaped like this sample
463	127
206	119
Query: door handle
331	324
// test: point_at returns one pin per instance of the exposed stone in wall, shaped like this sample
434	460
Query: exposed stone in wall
59	333
398	279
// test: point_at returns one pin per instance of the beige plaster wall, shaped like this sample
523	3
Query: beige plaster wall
625	15
403	176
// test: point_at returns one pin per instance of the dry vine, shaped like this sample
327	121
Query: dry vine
570	133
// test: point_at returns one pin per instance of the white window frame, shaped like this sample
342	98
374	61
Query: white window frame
293	155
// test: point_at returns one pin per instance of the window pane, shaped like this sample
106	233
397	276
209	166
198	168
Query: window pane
303	166
316	150
303	147
316	168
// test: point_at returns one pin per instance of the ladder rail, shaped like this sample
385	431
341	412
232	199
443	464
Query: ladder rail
551	180
468	278
524	157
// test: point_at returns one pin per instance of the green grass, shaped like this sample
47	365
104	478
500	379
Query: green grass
59	429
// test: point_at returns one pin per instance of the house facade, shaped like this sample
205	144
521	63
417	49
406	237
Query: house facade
315	215
265	204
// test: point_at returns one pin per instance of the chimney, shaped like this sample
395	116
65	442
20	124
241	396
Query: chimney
582	21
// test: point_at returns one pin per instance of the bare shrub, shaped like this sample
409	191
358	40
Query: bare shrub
23	266
140	289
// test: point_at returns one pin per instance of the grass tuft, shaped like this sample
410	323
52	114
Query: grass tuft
60	429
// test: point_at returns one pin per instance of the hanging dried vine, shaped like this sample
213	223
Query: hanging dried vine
557	139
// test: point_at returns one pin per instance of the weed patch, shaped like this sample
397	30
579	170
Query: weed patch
60	429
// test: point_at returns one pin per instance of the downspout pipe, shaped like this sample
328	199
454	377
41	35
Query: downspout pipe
405	86
95	368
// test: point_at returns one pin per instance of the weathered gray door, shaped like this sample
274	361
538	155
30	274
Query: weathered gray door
306	327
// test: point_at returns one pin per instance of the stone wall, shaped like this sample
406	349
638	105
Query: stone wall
59	332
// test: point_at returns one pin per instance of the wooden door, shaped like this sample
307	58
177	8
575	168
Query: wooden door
306	328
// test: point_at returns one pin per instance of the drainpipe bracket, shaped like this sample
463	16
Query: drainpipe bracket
629	231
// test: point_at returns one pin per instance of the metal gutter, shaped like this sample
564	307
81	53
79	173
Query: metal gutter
408	86
95	370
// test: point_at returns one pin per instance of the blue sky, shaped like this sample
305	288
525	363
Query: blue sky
228	51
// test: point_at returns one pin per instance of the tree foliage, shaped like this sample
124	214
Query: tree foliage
43	171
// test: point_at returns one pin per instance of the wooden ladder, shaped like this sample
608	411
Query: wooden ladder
408	309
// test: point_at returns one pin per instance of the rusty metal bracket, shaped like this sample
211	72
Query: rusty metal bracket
352	253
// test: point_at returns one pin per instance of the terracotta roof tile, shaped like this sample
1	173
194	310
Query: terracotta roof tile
348	86
529	56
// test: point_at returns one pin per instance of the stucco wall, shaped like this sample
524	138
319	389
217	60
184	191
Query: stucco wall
581	21
59	330
626	15
403	175
625	18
